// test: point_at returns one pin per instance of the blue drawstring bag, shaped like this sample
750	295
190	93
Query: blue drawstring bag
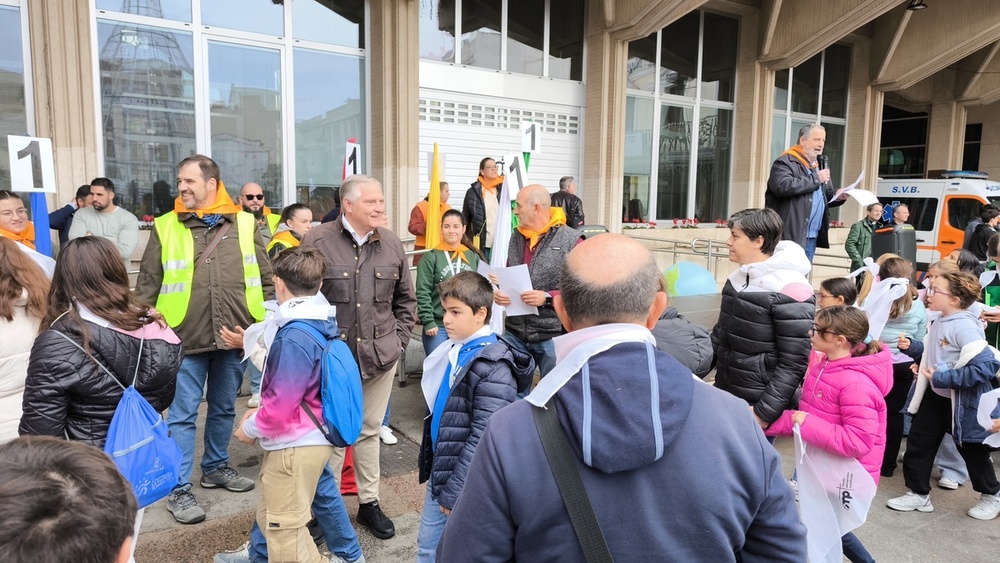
139	442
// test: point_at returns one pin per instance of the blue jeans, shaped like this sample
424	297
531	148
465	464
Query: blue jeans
224	373
544	352
810	248
432	522
854	551
255	377
432	342
331	514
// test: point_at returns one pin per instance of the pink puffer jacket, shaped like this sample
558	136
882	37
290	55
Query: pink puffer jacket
845	400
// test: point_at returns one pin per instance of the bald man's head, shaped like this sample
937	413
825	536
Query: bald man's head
609	279
252	197
532	209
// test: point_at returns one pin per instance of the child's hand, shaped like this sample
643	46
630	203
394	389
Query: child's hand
996	425
445	511
927	372
903	343
798	417
914	368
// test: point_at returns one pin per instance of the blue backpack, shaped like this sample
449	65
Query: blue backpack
139	442
340	390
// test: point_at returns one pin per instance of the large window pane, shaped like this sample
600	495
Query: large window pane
338	22
781	90
778	136
836	73
147	106
245	104
834	149
638	158
718	67
437	30
675	162
329	110
525	36
640	70
566	39
679	56
13	113
715	129
481	33
259	16
179	10
805	86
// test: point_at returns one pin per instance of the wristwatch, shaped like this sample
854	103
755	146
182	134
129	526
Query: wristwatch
548	299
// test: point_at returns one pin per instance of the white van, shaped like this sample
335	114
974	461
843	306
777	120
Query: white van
940	208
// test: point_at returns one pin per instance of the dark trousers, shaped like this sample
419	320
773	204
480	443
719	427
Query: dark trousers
930	425
854	550
895	402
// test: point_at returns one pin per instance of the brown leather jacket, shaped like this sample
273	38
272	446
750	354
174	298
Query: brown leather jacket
372	290
218	296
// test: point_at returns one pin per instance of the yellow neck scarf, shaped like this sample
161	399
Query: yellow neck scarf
556	217
489	185
223	204
459	249
25	237
798	152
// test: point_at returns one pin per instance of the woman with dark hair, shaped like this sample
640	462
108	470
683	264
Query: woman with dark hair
967	261
23	289
296	220
93	322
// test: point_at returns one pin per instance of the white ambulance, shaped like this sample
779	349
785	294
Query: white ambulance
940	208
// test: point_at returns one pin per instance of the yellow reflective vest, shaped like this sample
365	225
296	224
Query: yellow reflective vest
178	259
285	239
273	219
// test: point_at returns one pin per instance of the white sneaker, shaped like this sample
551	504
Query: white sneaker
238	555
950	484
387	437
254	401
911	501
987	508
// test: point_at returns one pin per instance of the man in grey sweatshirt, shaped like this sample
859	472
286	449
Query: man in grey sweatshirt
105	219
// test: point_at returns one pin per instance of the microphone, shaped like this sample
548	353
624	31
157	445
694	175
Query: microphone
823	163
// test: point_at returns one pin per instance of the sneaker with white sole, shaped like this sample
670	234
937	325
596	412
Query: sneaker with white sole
950	484
254	401
388	438
987	508
911	501
228	478
238	555
182	504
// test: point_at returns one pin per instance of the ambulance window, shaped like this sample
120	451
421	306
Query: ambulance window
923	211
961	210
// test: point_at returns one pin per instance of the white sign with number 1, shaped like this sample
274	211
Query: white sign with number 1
352	159
531	137
31	166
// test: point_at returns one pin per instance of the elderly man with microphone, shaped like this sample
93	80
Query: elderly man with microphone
799	189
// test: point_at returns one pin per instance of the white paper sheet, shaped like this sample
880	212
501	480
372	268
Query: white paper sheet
514	281
850	188
485	269
987	403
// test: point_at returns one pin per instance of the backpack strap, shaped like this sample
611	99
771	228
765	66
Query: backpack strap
562	462
320	339
91	356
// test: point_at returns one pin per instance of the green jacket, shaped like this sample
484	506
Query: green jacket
434	268
991	298
859	243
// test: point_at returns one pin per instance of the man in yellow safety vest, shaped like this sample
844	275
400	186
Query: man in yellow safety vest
205	270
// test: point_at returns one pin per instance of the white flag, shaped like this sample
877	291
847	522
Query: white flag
501	243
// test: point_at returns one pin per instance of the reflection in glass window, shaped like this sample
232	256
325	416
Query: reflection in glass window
805	86
836	74
679	56
244	86
566	24
640	69
638	158
147	103
718	66
13	113
834	149
437	30
715	129
179	10
481	37
258	16
675	162
525	36
329	110
327	21
781	90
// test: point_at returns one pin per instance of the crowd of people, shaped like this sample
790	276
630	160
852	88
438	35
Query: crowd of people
228	290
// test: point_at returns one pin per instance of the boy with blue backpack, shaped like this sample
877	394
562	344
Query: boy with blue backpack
292	424
466	379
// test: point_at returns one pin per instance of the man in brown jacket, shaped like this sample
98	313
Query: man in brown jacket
205	269
368	280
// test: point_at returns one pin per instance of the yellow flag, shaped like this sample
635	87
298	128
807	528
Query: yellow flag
433	236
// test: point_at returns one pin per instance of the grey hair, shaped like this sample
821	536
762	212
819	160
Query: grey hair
565	181
806	129
755	223
625	300
351	187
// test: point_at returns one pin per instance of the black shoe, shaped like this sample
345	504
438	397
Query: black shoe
370	515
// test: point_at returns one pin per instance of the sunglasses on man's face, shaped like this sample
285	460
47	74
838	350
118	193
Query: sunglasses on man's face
251	196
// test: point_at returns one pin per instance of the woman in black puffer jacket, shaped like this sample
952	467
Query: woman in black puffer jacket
92	317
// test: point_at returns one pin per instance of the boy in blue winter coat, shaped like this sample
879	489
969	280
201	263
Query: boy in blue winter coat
466	379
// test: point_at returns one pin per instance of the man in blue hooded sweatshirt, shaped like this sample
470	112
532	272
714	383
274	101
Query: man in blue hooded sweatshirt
675	469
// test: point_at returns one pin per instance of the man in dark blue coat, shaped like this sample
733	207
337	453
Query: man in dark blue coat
674	469
62	219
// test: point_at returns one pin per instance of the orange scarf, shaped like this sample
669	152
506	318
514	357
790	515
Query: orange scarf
490	185
556	217
798	152
25	237
459	249
223	204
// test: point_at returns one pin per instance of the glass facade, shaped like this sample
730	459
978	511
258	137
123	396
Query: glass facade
539	37
221	87
681	83
903	144
13	102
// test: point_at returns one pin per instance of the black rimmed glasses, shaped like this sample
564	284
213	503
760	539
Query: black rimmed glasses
932	291
813	330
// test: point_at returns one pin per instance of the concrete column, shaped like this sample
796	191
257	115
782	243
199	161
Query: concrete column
945	126
989	147
63	83
753	122
864	127
393	53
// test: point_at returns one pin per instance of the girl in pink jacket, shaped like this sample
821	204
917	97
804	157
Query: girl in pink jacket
843	397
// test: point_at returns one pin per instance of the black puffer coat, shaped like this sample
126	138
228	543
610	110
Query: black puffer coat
67	394
474	210
481	388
